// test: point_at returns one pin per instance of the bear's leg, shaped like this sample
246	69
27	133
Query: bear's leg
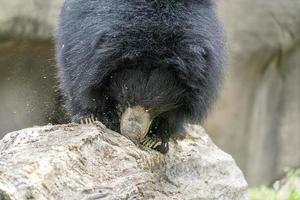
82	106
170	125
88	120
176	124
108	117
158	136
89	107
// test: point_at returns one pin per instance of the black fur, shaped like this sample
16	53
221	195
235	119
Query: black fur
165	55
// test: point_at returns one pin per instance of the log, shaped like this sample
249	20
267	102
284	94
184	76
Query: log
91	162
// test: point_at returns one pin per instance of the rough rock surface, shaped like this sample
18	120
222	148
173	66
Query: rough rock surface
90	162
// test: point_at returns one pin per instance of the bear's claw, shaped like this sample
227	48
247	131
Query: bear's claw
88	120
151	142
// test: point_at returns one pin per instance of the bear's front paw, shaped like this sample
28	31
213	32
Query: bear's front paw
88	120
155	143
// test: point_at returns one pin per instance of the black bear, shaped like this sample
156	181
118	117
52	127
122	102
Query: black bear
142	67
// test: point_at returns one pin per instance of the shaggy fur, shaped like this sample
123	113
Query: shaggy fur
164	55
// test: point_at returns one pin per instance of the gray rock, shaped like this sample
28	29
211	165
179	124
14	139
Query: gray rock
90	162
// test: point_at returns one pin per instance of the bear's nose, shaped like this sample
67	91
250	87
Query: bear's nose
135	123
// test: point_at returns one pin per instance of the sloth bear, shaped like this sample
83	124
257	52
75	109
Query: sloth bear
141	67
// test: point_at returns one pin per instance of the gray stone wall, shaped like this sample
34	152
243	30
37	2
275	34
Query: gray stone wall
30	18
257	119
27	63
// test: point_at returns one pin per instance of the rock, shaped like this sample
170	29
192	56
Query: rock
91	162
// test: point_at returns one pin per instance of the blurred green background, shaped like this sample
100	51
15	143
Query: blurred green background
257	118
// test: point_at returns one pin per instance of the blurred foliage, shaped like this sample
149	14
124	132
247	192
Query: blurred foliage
286	189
